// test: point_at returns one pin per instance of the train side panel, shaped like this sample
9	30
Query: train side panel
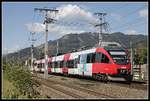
103	68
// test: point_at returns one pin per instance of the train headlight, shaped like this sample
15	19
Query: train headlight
122	71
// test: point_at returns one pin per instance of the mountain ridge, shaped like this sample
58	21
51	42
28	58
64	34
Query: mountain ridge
73	41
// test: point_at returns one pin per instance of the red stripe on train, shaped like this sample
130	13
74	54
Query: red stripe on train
66	57
65	70
49	69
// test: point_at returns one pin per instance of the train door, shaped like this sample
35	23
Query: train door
89	64
75	66
82	64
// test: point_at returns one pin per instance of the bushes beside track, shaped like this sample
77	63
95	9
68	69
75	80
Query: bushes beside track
20	77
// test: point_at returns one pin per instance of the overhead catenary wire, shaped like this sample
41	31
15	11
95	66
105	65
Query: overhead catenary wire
128	15
66	23
134	11
132	24
73	24
118	8
129	24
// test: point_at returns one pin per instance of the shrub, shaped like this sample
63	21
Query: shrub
20	77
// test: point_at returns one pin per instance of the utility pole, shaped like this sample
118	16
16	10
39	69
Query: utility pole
101	24
57	47
5	55
131	58
46	21
32	46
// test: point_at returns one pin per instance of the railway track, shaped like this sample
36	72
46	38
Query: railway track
75	91
53	86
133	84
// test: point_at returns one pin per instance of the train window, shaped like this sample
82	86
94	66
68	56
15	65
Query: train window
67	63
88	59
64	64
39	65
50	65
98	57
104	59
91	58
70	64
56	64
53	64
119	56
35	64
79	59
83	58
75	62
61	64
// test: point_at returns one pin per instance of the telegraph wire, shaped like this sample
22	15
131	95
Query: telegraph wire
127	24
131	13
133	24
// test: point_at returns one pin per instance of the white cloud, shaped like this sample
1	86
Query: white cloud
58	30
143	13
53	29
75	13
131	32
70	19
35	27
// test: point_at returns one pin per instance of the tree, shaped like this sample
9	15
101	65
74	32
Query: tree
141	56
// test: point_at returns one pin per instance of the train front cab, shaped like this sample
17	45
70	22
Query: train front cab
113	64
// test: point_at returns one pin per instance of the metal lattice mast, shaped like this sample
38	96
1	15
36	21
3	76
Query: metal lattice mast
32	46
46	21
131	57
101	24
57	47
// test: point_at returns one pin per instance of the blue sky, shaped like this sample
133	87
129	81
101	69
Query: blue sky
17	18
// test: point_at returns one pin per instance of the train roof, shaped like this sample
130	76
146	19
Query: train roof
73	55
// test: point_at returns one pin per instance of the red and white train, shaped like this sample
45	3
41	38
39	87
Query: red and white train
101	63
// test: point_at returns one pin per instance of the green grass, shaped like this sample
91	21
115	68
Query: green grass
9	91
17	81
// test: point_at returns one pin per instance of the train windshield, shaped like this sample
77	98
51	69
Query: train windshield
119	57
